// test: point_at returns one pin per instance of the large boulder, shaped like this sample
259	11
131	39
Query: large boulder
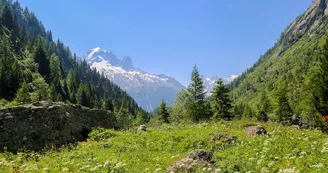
255	130
38	125
198	159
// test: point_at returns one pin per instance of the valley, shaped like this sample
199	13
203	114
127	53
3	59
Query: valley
100	113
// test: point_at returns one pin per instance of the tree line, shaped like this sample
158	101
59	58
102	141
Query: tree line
192	105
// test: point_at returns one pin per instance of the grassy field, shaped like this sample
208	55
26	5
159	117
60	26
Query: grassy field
285	149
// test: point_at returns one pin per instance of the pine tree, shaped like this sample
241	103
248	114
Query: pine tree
40	57
163	112
55	72
82	97
6	61
264	107
197	95
22	95
40	89
124	118
247	113
284	110
108	105
221	104
52	93
142	117
8	20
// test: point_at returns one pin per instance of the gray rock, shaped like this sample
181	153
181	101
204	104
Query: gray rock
38	125
198	159
224	137
142	128
255	130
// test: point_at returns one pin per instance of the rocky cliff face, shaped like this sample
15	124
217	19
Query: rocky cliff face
310	19
43	124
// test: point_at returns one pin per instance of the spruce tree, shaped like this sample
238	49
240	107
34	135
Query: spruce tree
6	61
124	118
163	112
197	96
40	89
82	97
108	105
221	103
284	110
142	117
264	107
40	57
52	93
55	73
22	95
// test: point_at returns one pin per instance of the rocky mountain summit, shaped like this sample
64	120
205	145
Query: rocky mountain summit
147	89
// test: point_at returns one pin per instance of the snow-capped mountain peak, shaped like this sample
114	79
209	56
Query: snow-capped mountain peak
231	78
210	82
147	89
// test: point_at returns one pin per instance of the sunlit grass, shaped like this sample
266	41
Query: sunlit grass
284	149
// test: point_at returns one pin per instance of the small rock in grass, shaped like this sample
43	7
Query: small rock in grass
142	128
255	130
224	137
198	159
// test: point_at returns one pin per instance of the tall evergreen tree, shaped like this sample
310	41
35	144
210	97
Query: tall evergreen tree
9	82
22	95
264	107
8	20
284	111
221	103
40	89
82	97
40	57
52	93
163	112
197	95
142	117
55	72
108	105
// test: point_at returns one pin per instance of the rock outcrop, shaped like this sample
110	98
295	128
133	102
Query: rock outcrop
198	159
311	19
38	125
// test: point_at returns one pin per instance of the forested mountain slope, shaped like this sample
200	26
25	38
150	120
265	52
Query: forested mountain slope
34	67
288	83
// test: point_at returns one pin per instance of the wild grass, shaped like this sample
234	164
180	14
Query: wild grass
285	149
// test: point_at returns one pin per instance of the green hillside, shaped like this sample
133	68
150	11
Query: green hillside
288	83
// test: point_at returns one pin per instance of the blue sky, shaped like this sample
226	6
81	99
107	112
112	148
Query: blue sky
222	37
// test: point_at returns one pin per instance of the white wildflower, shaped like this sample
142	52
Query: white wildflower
317	165
288	170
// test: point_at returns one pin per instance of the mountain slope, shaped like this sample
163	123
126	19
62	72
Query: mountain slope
147	89
34	67
285	67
